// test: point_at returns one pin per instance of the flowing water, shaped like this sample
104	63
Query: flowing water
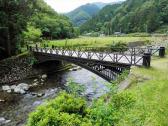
19	106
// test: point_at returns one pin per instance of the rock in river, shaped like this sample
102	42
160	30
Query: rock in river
1	100
40	94
23	86
20	88
44	76
35	80
4	121
6	87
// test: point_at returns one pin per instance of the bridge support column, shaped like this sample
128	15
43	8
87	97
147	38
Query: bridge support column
146	59
162	51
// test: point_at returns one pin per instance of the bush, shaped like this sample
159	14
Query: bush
107	112
65	110
74	88
72	110
69	110
32	34
118	47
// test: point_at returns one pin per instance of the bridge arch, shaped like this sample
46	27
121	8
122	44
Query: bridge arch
107	71
3	53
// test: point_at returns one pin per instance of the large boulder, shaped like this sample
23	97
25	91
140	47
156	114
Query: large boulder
23	86
4	121
19	90
6	88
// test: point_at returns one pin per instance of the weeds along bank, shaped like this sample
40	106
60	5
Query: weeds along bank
151	89
144	103
100	41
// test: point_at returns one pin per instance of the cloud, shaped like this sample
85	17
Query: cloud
62	6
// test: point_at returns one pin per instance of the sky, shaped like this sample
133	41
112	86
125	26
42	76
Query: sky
64	6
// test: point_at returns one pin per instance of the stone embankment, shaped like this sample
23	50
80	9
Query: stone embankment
17	68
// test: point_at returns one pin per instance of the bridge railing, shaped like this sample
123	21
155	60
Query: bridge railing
128	51
133	56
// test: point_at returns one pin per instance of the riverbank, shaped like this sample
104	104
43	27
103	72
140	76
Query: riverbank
144	102
19	106
150	87
16	68
24	66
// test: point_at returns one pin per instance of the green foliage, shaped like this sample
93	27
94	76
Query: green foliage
119	47
107	112
98	21
42	21
129	17
52	25
65	110
74	88
69	110
150	88
32	34
72	110
97	41
14	15
82	14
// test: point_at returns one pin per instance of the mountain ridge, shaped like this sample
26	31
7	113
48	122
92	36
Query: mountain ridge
129	17
83	13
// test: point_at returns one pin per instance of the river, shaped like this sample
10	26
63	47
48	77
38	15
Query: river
20	106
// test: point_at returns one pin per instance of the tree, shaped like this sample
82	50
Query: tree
32	34
14	15
52	24
130	16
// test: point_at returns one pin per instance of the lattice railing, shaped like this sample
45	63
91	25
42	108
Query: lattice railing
131	56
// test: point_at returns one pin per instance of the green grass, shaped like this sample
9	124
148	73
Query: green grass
97	41
150	86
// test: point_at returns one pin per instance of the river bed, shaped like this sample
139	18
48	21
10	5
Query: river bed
19	106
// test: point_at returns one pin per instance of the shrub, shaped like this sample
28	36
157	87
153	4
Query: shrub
65	110
118	47
32	34
74	88
108	113
72	110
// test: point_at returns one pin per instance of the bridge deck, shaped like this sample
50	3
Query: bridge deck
118	58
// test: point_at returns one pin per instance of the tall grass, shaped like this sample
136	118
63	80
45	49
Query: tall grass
97	41
150	86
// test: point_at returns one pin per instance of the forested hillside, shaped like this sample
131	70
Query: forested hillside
51	24
83	14
13	18
22	21
131	16
99	21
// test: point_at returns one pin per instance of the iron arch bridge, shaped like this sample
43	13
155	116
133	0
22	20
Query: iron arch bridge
106	62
